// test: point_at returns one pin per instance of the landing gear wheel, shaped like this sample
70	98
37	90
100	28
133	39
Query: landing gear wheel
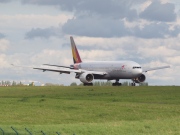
117	83
88	84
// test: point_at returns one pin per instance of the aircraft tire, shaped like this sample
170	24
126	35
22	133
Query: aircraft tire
88	84
116	84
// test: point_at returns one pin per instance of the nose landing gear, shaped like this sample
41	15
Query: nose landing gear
88	84
133	84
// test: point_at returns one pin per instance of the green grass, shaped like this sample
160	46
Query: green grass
90	110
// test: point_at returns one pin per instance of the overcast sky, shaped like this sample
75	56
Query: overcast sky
34	32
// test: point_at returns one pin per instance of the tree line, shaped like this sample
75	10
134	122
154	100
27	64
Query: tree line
109	83
14	83
96	83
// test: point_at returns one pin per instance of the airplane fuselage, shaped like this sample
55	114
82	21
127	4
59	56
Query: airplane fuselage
114	69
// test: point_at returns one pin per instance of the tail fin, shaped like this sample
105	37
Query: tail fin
75	54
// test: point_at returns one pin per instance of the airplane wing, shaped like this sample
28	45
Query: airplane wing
154	68
56	66
66	71
63	70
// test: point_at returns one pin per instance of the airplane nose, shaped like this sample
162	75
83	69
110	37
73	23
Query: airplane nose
138	72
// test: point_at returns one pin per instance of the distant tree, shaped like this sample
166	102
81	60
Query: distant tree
2	83
100	83
125	84
81	84
51	84
7	83
73	84
143	84
31	84
95	84
13	83
20	84
109	83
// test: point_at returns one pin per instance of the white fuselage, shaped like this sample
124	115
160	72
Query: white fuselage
114	69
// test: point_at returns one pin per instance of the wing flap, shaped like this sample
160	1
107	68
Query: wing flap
53	70
60	70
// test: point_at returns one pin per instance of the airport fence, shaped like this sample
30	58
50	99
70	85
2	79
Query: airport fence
2	132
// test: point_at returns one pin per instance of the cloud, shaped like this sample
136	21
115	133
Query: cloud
5	1
26	21
99	27
53	57
3	61
2	35
94	19
3	45
156	30
158	11
111	8
51	24
43	33
174	60
117	28
161	52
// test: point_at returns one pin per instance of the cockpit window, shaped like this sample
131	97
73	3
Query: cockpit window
136	67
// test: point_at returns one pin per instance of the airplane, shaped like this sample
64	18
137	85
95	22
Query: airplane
86	72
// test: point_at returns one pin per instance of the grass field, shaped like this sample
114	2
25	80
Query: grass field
90	110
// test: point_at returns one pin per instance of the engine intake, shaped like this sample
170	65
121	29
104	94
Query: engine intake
140	79
86	78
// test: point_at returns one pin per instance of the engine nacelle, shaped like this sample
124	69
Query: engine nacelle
140	79
86	77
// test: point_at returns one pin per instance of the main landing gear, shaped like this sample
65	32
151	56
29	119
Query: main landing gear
119	84
88	84
116	83
113	84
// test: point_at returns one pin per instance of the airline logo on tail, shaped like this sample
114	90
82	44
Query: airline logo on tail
75	54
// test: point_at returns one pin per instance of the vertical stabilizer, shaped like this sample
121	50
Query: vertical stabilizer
75	54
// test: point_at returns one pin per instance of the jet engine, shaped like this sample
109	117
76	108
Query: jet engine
140	79
86	77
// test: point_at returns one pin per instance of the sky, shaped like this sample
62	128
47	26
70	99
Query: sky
36	32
